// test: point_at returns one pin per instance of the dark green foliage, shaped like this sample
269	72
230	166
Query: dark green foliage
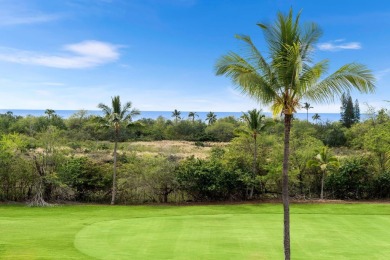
88	179
351	181
331	134
357	111
208	180
220	131
16	177
186	130
350	114
381	186
7	120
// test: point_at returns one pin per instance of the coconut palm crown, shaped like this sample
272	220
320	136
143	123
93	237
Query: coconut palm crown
192	115
286	76
176	114
307	107
211	118
117	114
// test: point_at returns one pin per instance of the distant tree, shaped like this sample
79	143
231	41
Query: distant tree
115	116
211	118
347	111
356	111
254	120
324	160
50	113
307	107
316	117
192	115
176	115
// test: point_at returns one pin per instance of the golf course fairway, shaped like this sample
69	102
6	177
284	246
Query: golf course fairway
247	231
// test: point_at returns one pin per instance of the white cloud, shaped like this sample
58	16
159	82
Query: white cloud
81	55
338	45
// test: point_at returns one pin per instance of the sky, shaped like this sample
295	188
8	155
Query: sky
160	54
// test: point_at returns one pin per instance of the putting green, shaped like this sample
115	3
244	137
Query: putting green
223	236
235	236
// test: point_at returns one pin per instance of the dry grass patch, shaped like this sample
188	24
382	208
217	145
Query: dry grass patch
179	148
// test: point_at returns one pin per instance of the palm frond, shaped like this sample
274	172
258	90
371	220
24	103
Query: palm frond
106	109
116	105
310	35
244	75
346	78
130	114
254	56
311	75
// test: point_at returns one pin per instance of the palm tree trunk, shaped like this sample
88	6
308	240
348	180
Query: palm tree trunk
114	174
286	206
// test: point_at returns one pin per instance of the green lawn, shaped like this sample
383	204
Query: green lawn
319	231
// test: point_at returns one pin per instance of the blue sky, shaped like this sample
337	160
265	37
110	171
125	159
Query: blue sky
160	54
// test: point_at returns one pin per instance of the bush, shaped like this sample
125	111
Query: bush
352	181
208	180
332	134
85	177
221	131
381	186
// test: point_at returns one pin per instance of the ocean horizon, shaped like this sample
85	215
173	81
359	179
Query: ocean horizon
324	117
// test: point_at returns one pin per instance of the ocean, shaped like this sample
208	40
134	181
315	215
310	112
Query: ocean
331	117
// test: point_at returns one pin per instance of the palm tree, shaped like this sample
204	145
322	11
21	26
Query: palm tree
211	118
255	123
324	160
176	115
316	117
192	115
286	76
307	107
50	113
115	116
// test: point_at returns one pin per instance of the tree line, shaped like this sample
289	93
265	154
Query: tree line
78	167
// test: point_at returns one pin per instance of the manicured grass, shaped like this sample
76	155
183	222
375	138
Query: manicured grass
319	231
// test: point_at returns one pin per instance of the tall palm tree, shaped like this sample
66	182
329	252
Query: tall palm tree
254	120
307	107
316	117
176	115
286	76
324	160
192	115
211	118
116	116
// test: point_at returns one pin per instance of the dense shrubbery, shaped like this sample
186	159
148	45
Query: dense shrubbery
72	160
207	180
